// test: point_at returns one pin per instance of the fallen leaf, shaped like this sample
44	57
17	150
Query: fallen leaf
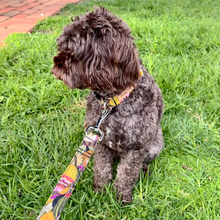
186	167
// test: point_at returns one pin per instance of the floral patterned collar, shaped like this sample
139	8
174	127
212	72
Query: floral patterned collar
117	99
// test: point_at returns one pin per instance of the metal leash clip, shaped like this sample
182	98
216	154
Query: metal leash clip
96	129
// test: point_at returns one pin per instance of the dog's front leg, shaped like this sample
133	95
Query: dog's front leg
103	158
127	175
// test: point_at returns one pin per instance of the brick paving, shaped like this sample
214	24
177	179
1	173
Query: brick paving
20	16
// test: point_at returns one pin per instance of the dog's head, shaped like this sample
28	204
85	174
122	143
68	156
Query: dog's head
97	52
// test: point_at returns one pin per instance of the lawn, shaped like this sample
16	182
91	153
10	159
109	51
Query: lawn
41	120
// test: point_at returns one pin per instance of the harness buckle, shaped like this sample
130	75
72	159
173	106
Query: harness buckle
96	131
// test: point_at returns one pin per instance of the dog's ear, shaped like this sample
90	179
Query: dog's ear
127	65
103	80
117	76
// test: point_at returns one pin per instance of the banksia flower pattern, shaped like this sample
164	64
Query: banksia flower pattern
63	190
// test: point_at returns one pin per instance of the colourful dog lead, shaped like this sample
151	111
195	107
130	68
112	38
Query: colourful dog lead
63	190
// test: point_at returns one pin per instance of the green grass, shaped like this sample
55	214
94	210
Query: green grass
41	121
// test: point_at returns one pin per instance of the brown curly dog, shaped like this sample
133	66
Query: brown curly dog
97	51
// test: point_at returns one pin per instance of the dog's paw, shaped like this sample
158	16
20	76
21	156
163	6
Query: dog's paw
125	198
123	195
99	188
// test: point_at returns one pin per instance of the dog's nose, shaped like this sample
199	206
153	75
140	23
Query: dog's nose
52	71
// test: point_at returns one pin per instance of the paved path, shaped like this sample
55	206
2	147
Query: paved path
21	16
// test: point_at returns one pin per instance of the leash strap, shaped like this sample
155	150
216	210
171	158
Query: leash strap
63	190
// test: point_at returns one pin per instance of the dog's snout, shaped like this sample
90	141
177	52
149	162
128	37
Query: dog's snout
53	71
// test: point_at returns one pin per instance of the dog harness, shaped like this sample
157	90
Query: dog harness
63	190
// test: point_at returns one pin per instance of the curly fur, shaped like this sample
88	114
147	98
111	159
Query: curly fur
97	51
